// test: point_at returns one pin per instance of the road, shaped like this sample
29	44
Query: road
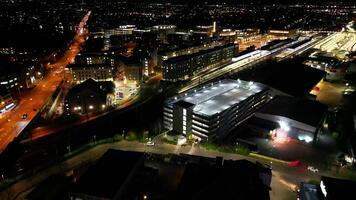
284	181
44	131
32	101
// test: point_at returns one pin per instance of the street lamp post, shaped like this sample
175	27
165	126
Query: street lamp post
68	148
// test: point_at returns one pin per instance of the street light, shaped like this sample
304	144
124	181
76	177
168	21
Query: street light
68	148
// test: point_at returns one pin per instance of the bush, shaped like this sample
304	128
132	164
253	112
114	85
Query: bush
314	182
165	140
210	146
131	136
243	151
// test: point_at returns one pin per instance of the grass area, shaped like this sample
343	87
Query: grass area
131	137
210	146
8	182
165	140
227	149
314	182
243	151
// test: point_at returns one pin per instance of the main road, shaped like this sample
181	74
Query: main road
32	101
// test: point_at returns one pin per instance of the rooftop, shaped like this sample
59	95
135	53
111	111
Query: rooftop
216	97
202	52
202	181
303	110
111	172
337	188
290	77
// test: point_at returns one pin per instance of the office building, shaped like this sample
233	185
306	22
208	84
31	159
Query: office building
214	109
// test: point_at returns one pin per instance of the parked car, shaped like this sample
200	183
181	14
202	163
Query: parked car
24	116
313	169
150	143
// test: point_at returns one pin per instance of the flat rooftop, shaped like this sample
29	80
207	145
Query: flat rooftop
216	97
106	177
303	110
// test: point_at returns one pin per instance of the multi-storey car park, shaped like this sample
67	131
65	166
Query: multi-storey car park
213	110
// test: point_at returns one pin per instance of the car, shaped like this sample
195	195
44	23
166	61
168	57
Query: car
24	116
313	169
269	166
150	143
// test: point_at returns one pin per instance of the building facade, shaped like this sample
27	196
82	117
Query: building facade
213	110
6	100
89	97
183	67
97	72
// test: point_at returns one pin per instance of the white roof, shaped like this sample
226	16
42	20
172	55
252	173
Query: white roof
216	97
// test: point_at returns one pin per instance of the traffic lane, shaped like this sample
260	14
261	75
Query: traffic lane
31	104
33	101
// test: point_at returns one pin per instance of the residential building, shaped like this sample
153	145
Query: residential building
97	72
183	67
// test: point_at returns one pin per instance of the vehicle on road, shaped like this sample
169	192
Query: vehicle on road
24	116
313	169
150	143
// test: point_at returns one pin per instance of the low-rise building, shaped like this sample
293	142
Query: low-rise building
97	72
295	118
135	175
109	177
89	97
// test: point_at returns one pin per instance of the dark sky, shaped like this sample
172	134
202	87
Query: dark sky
322	2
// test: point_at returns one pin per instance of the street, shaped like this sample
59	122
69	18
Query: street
32	101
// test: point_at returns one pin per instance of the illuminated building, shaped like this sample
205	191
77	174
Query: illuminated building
6	101
186	50
295	118
183	67
214	109
96	72
89	97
